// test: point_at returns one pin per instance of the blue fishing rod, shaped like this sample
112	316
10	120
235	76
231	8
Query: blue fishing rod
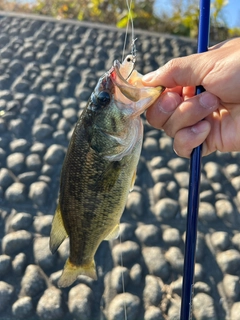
194	184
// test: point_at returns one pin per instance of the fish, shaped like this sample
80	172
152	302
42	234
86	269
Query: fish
99	168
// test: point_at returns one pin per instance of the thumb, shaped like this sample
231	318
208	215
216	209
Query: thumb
185	71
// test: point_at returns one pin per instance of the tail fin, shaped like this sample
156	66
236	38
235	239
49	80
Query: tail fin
71	272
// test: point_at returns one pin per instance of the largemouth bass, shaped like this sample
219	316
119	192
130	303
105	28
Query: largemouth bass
99	169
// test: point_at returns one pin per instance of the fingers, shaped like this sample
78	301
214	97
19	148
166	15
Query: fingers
189	138
185	71
183	120
190	112
206	69
188	92
170	113
159	113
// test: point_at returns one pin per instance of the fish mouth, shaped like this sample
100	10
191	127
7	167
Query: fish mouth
124	85
123	73
125	69
129	82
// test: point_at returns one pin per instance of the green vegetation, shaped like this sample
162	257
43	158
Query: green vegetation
182	19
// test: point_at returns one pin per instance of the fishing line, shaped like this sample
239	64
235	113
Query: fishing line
123	282
130	18
133	52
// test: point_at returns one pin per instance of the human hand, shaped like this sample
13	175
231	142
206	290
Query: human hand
180	113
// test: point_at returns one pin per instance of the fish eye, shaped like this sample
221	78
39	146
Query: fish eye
103	98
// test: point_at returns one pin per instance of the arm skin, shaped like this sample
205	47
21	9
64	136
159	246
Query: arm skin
180	114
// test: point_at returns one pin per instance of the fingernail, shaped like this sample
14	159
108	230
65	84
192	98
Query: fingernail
148	77
208	100
168	102
200	127
175	151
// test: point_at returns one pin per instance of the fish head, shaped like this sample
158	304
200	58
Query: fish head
121	89
116	104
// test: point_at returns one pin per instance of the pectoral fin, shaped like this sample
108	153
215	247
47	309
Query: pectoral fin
113	234
58	232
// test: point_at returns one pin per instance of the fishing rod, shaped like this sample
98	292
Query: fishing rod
194	184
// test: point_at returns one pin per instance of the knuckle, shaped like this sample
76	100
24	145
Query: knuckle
172	64
169	130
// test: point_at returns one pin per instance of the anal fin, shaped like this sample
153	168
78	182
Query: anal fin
58	232
113	234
